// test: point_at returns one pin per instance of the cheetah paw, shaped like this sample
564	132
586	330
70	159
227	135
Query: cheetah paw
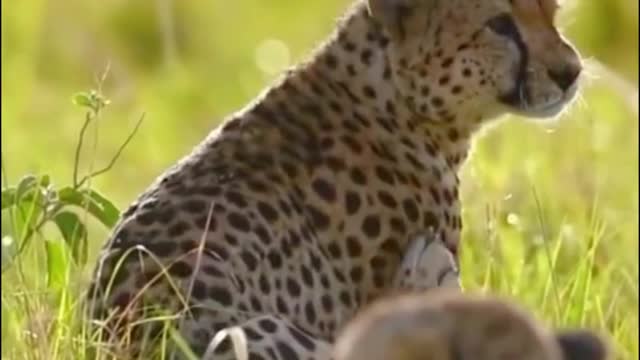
427	264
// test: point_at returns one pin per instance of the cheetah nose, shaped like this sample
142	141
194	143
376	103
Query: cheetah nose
565	77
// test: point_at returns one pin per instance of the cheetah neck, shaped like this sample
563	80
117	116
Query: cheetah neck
354	61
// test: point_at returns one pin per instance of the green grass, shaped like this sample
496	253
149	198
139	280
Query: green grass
550	210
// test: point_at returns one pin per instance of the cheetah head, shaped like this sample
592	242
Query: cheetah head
446	325
478	58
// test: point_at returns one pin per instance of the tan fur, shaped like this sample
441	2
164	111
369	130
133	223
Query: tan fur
299	209
443	325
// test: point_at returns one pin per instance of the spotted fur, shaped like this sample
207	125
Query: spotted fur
300	208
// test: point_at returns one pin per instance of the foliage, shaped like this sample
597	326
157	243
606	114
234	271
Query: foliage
34	202
550	210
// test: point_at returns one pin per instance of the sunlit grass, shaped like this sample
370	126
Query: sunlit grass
550	216
550	210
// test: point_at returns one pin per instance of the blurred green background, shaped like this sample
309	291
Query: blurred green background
186	63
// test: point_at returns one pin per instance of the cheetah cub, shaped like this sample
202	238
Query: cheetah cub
447	325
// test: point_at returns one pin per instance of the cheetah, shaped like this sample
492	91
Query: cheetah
443	325
300	208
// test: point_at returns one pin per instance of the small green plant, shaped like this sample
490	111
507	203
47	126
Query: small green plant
29	209
35	202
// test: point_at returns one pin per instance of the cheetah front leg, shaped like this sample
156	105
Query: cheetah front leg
427	264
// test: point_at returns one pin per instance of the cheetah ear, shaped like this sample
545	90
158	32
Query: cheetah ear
581	345
400	17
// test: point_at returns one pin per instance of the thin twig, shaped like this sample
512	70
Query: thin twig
116	156
103	77
94	113
76	160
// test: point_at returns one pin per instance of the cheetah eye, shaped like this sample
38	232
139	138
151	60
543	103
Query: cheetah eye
504	25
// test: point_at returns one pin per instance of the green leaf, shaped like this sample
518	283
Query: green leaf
57	265
24	192
99	206
109	210
82	99
28	205
25	186
74	233
8	197
45	181
92	100
27	215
